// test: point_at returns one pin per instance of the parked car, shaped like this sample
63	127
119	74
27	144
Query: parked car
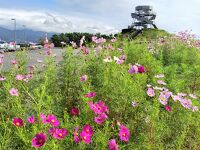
3	44
36	46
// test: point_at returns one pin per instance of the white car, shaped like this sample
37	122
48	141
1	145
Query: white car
3	44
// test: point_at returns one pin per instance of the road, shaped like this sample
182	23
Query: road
33	56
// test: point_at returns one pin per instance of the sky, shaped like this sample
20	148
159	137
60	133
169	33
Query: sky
105	16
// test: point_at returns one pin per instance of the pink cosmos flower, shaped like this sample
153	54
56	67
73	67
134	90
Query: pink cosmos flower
134	104
52	120
112	145
120	61
32	119
141	69
133	69
39	140
110	47
166	93
119	49
83	78
14	92
18	122
195	108
150	92
43	118
163	100
100	118
168	108
74	111
187	103
113	40
76	137
14	62
60	133
176	98
124	133
90	95
161	82
19	77
2	78
74	45
85	50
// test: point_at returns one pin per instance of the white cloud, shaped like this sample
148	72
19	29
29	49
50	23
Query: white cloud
108	15
172	15
51	22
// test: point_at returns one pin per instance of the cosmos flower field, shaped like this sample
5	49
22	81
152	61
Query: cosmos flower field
117	94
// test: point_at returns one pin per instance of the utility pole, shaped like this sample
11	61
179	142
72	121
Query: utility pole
13	19
24	33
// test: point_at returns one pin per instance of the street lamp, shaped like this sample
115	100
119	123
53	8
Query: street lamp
13	19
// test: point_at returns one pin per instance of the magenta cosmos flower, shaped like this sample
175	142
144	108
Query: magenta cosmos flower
112	145
60	133
124	133
32	119
18	122
86	137
52	120
100	118
98	107
133	69
90	95
14	92
150	92
39	140
83	78
76	136
88	129
74	111
141	69
168	108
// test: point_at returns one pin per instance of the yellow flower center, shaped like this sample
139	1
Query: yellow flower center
17	124
123	134
53	120
87	130
40	141
84	138
60	134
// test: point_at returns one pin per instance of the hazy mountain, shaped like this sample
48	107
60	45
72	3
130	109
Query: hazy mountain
22	35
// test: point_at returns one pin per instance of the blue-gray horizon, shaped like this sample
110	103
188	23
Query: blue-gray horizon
97	16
